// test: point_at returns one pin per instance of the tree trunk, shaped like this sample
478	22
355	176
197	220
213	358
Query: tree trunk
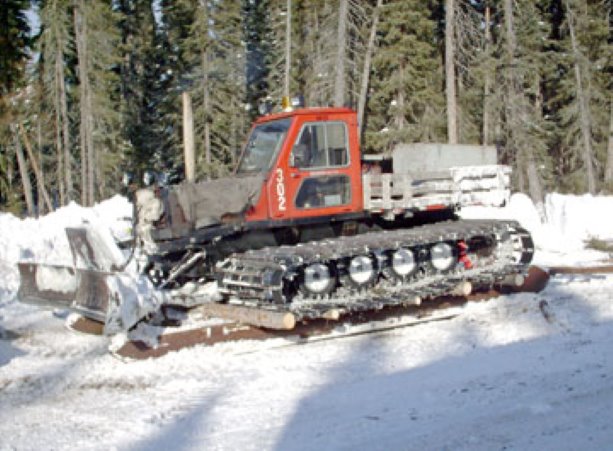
81	72
515	108
608	175
40	183
63	103
487	82
339	66
399	119
288	48
188	138
85	125
367	63
40	158
59	143
206	106
316	97
584	108
511	91
25	177
450	88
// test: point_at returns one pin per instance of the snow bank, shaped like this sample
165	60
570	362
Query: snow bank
570	221
580	217
44	239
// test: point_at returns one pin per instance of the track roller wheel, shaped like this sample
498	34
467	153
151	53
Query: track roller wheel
362	272
402	265
442	257
317	280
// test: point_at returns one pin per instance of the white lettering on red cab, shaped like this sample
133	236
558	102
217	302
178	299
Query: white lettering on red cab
281	190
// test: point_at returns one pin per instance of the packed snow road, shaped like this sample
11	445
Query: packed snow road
500	376
526	371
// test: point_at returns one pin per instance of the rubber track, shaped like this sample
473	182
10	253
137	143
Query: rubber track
253	275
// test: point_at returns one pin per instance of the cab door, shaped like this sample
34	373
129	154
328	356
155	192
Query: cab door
319	171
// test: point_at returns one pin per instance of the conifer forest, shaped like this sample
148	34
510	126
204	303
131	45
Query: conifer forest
91	89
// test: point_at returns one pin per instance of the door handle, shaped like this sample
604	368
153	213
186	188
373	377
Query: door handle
295	175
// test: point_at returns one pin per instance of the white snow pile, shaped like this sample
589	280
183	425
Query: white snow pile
44	239
522	371
570	222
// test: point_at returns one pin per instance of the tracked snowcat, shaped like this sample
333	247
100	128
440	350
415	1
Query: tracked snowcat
307	227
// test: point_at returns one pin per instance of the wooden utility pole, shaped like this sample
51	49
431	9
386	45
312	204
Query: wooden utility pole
450	90
366	68
188	138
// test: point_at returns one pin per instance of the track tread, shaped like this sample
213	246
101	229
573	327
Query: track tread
285	263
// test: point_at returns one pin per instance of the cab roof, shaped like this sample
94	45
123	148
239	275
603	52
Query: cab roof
304	112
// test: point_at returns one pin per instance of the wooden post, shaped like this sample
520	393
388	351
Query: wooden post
188	138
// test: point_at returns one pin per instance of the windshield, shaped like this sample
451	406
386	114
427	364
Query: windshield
263	144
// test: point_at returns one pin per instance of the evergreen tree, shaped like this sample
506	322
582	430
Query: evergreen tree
213	57
406	102
14	41
97	41
144	83
518	96
277	38
473	63
56	46
581	100
258	50
341	34
175	20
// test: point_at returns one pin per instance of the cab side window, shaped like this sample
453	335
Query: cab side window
321	145
324	191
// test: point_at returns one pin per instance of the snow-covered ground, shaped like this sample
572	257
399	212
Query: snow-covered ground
502	375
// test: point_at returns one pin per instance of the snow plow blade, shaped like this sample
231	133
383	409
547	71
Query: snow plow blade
50	286
95	286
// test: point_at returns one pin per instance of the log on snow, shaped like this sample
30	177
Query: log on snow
253	316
